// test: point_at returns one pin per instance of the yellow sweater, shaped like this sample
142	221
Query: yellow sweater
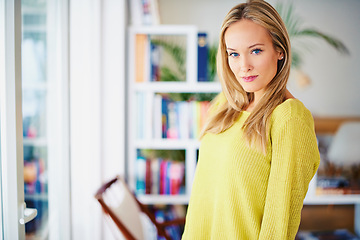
240	193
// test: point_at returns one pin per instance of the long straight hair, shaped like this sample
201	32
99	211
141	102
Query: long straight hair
256	127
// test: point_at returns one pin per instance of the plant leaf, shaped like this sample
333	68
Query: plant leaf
335	43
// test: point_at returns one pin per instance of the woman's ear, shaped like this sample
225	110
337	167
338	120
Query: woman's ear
281	56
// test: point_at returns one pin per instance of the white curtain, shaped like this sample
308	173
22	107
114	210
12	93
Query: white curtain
97	89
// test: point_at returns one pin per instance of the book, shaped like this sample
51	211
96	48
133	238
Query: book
140	111
163	169
148	176
157	116
168	213
332	182
173	119
144	12
176	175
140	175
202	57
164	116
183	120
193	119
336	191
155	175
148	116
172	130
142	58
155	54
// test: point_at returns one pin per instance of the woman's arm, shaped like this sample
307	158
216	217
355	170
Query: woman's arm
295	159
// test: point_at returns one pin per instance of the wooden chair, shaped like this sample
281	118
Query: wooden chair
121	205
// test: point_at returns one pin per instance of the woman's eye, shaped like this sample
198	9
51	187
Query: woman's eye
233	54
257	51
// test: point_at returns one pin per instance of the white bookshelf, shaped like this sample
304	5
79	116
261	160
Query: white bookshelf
178	87
149	89
334	199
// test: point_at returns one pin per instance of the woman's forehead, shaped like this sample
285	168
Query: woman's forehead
246	33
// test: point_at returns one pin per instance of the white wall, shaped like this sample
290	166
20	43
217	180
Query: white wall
97	122
335	78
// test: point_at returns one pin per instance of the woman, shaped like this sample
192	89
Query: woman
258	151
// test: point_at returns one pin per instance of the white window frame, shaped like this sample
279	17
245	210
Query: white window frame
11	120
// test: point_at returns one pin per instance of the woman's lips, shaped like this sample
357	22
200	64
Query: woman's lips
250	78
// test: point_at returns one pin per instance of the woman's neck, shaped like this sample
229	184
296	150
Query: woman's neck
257	98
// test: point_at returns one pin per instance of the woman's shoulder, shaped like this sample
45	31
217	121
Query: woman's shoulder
219	100
291	108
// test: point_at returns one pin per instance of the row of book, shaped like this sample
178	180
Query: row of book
153	55
336	186
159	176
338	234
169	119
144	12
169	213
34	176
32	127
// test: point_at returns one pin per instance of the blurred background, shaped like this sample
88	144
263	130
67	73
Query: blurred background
77	108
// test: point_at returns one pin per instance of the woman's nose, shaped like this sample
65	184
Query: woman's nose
245	64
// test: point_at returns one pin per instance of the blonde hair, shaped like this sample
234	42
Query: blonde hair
256	128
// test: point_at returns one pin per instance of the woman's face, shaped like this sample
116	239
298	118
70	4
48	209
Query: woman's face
251	55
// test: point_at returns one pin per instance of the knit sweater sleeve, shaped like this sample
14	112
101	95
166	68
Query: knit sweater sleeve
295	159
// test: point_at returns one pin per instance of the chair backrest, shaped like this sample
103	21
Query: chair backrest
120	204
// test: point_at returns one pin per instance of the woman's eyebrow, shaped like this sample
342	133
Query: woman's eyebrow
256	44
253	45
231	49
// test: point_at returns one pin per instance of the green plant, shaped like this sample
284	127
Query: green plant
293	24
175	155
212	62
178	54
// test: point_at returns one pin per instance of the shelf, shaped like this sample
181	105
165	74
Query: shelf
36	29
163	199
199	87
332	199
37	142
164	29
167	144
36	197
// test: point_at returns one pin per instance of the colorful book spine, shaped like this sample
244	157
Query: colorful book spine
168	213
172	130
148	177
202	57
163	167
155	54
158	176
164	116
159	117
183	120
140	175
176	174
140	112
155	175
141	58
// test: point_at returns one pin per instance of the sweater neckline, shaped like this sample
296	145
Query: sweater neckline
287	100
